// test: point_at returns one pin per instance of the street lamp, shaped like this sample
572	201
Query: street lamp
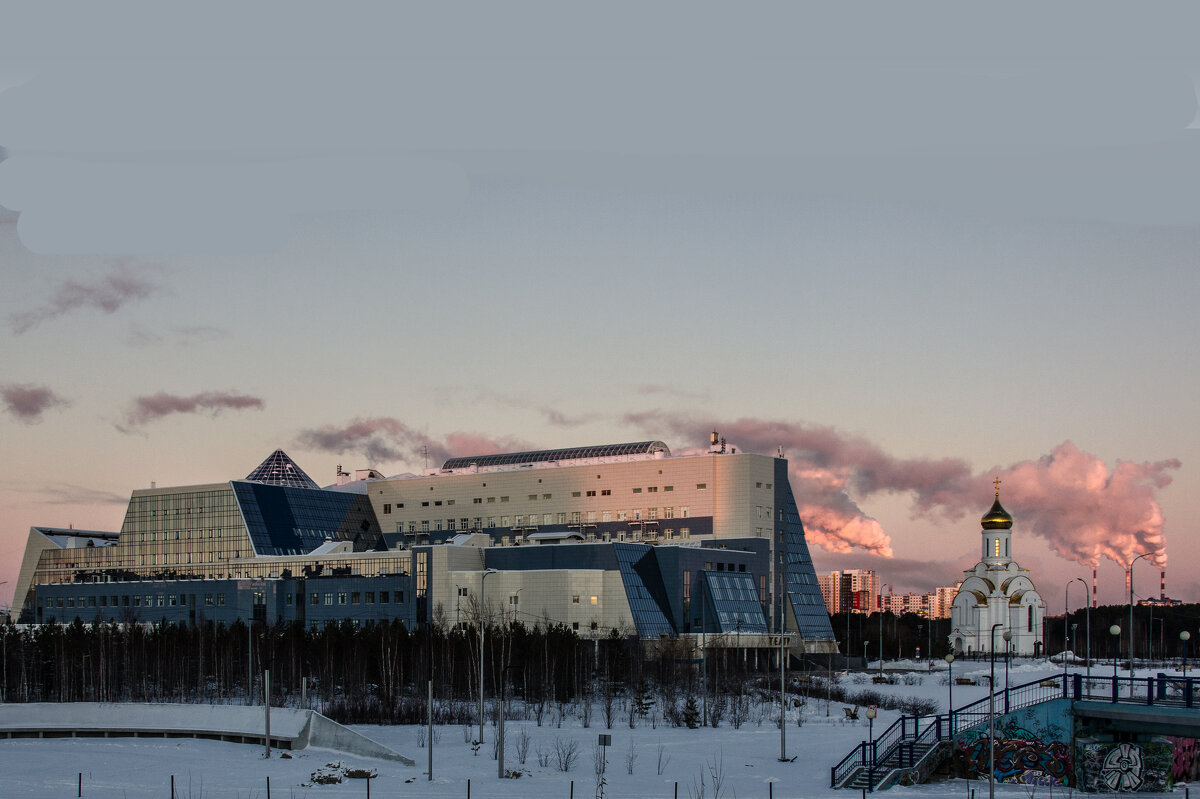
992	710
1087	652
1115	632
482	625
1135	560
885	585
865	655
1183	638
950	686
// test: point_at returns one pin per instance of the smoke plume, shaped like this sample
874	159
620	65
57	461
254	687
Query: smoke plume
27	402
1071	498
123	284
385	439
156	406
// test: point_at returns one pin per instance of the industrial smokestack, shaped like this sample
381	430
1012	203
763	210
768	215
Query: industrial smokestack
1094	603
1162	584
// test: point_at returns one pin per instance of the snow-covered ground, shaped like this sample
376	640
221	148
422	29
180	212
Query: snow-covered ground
647	761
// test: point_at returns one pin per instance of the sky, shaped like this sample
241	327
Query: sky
918	248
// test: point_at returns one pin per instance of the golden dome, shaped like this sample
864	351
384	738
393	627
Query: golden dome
997	518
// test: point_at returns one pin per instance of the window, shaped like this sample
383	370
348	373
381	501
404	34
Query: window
399	597
546	496
684	512
574	625
606	516
387	507
514	599
605	492
504	499
997	547
208	600
314	598
575	493
424	504
701	486
595	600
462	591
383	597
532	497
437	502
424	525
546	517
477	501
562	518
591	493
341	597
668	513
449	502
621	515
575	599
329	598
652	490
491	499
637	490
160	600
355	598
668	488
220	600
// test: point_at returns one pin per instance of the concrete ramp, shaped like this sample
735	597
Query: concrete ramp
290	728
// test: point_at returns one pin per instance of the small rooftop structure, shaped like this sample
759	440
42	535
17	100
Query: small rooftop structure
280	470
637	450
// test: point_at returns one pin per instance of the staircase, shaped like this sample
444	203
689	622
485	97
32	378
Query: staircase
912	748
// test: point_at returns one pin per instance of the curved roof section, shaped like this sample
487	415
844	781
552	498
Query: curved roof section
570	454
280	470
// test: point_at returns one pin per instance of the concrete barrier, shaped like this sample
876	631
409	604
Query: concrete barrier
290	728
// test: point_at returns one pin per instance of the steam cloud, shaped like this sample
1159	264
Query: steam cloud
108	294
1069	497
27	402
382	439
156	406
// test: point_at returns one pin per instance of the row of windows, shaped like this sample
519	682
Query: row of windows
533	519
136	600
604	492
354	598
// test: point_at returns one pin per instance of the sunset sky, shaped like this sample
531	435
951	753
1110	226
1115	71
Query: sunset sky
918	251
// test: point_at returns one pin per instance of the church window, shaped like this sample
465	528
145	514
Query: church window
1030	623
997	548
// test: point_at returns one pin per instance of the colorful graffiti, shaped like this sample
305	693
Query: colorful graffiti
1029	750
1126	767
1185	764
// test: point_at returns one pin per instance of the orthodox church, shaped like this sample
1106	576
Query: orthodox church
997	593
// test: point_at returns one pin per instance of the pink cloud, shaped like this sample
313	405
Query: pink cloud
1084	509
156	406
27	402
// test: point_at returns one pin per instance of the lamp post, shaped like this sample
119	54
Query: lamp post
1183	638
1115	632
885	585
482	625
865	645
1087	629
1135	560
950	686
992	711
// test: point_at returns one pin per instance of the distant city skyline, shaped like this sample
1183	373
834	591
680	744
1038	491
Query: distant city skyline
915	275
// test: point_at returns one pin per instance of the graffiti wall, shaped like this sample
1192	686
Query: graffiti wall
1126	767
1033	747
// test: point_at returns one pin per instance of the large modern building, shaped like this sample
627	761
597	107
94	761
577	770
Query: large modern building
620	537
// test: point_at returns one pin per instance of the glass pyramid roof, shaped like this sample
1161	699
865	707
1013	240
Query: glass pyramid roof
280	470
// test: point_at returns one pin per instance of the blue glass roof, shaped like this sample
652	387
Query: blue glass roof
280	470
644	589
800	579
283	520
735	602
545	455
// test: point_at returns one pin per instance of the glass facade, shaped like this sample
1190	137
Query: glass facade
644	590
735	602
545	455
283	520
802	592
